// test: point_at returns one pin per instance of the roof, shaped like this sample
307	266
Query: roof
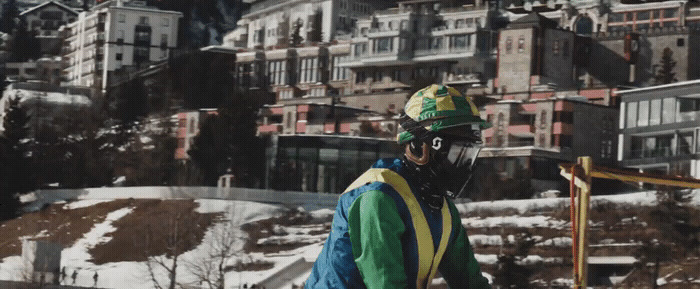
61	5
533	19
660	87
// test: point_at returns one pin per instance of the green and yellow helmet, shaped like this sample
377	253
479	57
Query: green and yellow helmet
438	107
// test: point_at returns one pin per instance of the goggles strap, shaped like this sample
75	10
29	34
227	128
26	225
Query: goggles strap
413	127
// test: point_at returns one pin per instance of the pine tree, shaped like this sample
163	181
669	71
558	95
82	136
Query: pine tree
666	74
228	140
14	173
8	17
296	39
316	33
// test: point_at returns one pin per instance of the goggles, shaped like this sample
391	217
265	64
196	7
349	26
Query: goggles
462	154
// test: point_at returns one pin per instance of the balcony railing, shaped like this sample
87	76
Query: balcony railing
504	144
682	150
445	50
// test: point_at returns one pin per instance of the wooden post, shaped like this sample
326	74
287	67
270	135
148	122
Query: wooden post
584	197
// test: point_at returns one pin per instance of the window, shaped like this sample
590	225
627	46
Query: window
384	45
276	72
555	47
460	41
616	17
643	113
120	37
631	114
143	20
460	23
121	18
655	112
680	42
339	72
397	75
308	72
670	13
436	43
165	22
565	49
434	71
164	40
509	45
521	44
644	15
655	14
360	49
688	109
404	25
141	53
118	57
193	125
360	77
668	110
378	76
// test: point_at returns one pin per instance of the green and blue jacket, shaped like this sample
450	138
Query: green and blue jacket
384	236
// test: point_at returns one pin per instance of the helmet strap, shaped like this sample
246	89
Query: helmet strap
423	159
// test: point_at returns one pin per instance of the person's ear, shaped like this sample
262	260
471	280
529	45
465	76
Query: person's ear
419	156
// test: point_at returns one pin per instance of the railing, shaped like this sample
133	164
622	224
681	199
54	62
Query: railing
682	150
688	116
506	144
445	50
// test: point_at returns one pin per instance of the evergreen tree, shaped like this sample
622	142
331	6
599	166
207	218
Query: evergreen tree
9	16
316	33
666	74
25	45
296	39
15	178
228	140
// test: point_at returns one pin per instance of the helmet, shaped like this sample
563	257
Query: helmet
443	131
438	107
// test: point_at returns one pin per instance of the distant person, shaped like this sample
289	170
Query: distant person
396	225
63	274
75	275
94	277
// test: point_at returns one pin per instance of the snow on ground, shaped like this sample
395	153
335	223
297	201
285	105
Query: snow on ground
321	214
695	198
514	221
83	204
647	198
483	240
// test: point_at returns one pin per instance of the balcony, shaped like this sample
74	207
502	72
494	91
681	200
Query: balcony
463	78
450	53
270	128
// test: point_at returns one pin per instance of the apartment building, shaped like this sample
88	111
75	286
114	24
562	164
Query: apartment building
188	124
116	36
659	129
47	17
529	138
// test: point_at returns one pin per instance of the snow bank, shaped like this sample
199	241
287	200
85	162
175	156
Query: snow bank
514	221
322	214
647	198
486	240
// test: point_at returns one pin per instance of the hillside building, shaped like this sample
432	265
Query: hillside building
659	129
116	35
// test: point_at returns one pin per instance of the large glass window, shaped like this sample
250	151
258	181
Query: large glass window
685	143
631	114
670	13
688	109
643	113
655	112
668	110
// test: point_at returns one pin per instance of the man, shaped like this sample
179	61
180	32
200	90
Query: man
395	226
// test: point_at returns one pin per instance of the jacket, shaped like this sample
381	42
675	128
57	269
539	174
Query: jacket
384	236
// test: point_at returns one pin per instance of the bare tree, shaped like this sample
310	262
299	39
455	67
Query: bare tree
168	262
211	268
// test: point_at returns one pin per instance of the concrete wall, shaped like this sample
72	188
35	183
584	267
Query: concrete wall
306	200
